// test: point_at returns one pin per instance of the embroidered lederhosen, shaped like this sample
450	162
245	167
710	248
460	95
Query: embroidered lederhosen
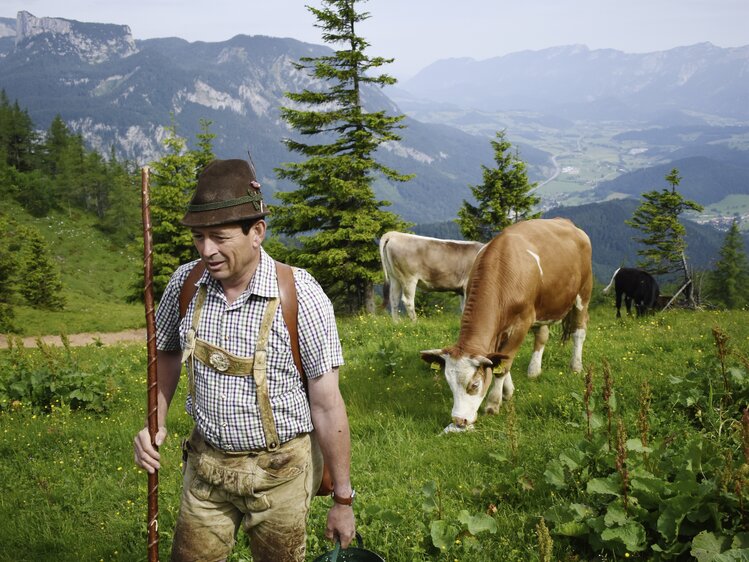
229	364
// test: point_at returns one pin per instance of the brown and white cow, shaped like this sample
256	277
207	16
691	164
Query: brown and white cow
434	264
534	273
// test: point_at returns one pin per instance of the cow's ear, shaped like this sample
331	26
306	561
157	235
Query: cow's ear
433	356
496	358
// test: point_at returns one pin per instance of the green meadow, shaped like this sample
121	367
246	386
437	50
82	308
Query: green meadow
648	463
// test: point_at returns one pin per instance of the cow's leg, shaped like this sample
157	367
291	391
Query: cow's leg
409	295
578	338
395	297
502	388
578	324
503	380
618	303
541	334
628	303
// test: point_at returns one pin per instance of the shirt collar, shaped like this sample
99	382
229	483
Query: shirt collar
264	283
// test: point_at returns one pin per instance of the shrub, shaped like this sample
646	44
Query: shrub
663	496
53	378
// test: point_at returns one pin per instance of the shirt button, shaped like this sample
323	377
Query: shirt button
225	425
223	396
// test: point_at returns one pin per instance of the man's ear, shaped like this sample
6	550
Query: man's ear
258	232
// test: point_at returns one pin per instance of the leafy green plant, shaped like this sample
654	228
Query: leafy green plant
444	532
657	495
389	356
53	378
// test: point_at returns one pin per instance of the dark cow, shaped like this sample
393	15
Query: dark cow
637	286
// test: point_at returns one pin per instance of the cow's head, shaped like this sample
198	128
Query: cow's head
469	377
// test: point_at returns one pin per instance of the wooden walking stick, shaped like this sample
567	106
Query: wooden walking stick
152	379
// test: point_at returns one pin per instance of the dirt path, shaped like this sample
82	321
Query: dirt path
107	338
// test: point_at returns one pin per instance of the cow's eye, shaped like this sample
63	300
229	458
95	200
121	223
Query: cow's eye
473	388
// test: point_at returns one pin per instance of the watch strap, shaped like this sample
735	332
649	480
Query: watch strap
342	500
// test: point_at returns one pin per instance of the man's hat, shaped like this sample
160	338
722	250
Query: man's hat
227	192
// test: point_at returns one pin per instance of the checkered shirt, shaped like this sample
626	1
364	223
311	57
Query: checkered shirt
225	407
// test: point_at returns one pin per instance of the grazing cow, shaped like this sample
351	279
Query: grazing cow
637	286
436	265
532	274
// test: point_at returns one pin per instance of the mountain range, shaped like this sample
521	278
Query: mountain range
576	82
119	92
628	118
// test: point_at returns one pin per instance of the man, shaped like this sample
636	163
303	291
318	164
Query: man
249	457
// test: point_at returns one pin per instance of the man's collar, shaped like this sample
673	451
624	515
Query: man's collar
264	283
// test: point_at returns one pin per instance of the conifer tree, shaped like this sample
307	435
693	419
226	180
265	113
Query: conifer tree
122	217
204	152
17	135
173	182
40	282
729	281
657	218
334	212
503	199
8	271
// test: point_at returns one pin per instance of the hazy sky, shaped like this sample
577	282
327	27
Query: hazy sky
418	32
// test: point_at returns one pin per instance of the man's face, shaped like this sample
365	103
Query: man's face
230	255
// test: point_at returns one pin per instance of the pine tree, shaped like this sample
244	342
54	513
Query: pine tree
8	271
204	152
17	135
658	219
55	145
173	181
39	280
503	199
122	217
334	211
729	281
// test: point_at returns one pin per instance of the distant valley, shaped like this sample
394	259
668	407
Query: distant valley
596	125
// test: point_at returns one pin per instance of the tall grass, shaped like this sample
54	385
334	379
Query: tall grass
69	489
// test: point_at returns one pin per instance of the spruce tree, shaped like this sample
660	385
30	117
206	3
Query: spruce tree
729	282
502	199
334	212
657	218
40	282
8	271
173	180
122	217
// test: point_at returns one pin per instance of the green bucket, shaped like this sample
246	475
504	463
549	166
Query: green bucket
351	554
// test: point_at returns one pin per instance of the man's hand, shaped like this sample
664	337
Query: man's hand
146	456
341	524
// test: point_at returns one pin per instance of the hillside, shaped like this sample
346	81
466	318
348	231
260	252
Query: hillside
704	180
614	242
97	277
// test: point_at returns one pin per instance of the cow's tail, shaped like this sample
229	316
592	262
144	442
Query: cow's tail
608	287
385	259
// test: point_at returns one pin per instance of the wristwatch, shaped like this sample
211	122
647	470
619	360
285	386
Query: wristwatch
344	501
